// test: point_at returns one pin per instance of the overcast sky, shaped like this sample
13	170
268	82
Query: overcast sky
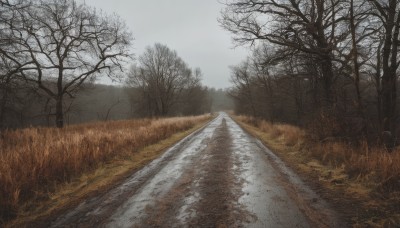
188	26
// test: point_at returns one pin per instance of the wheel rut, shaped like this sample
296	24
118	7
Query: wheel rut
219	176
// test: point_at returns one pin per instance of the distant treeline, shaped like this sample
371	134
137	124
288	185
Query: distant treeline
98	102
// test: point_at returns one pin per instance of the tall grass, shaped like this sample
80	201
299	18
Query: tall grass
34	160
291	135
376	164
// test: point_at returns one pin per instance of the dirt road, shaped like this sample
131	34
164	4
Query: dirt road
217	177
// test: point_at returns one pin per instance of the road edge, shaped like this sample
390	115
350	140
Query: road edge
316	207
54	209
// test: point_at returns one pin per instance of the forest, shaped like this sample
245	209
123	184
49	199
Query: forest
329	66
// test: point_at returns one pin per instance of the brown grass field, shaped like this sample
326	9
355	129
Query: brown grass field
35	162
368	177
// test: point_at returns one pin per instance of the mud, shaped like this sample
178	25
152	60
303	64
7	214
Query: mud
219	176
218	186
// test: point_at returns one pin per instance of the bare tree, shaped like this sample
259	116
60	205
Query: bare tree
242	80
161	76
308	26
68	44
195	99
387	13
11	59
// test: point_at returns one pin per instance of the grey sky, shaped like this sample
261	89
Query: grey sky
188	26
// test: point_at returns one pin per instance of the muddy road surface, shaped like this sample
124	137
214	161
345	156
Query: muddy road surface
219	176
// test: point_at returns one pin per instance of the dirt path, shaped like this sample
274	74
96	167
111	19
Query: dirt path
217	177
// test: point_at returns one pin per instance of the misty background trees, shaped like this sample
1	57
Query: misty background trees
163	84
332	66
52	53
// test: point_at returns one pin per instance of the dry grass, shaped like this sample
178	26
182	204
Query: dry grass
360	161
373	165
291	135
369	175
35	162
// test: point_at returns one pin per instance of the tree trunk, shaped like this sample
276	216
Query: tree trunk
251	100
389	62
378	86
359	104
3	108
4	102
59	112
389	108
327	74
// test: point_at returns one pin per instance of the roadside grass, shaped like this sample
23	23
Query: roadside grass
368	177
43	170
